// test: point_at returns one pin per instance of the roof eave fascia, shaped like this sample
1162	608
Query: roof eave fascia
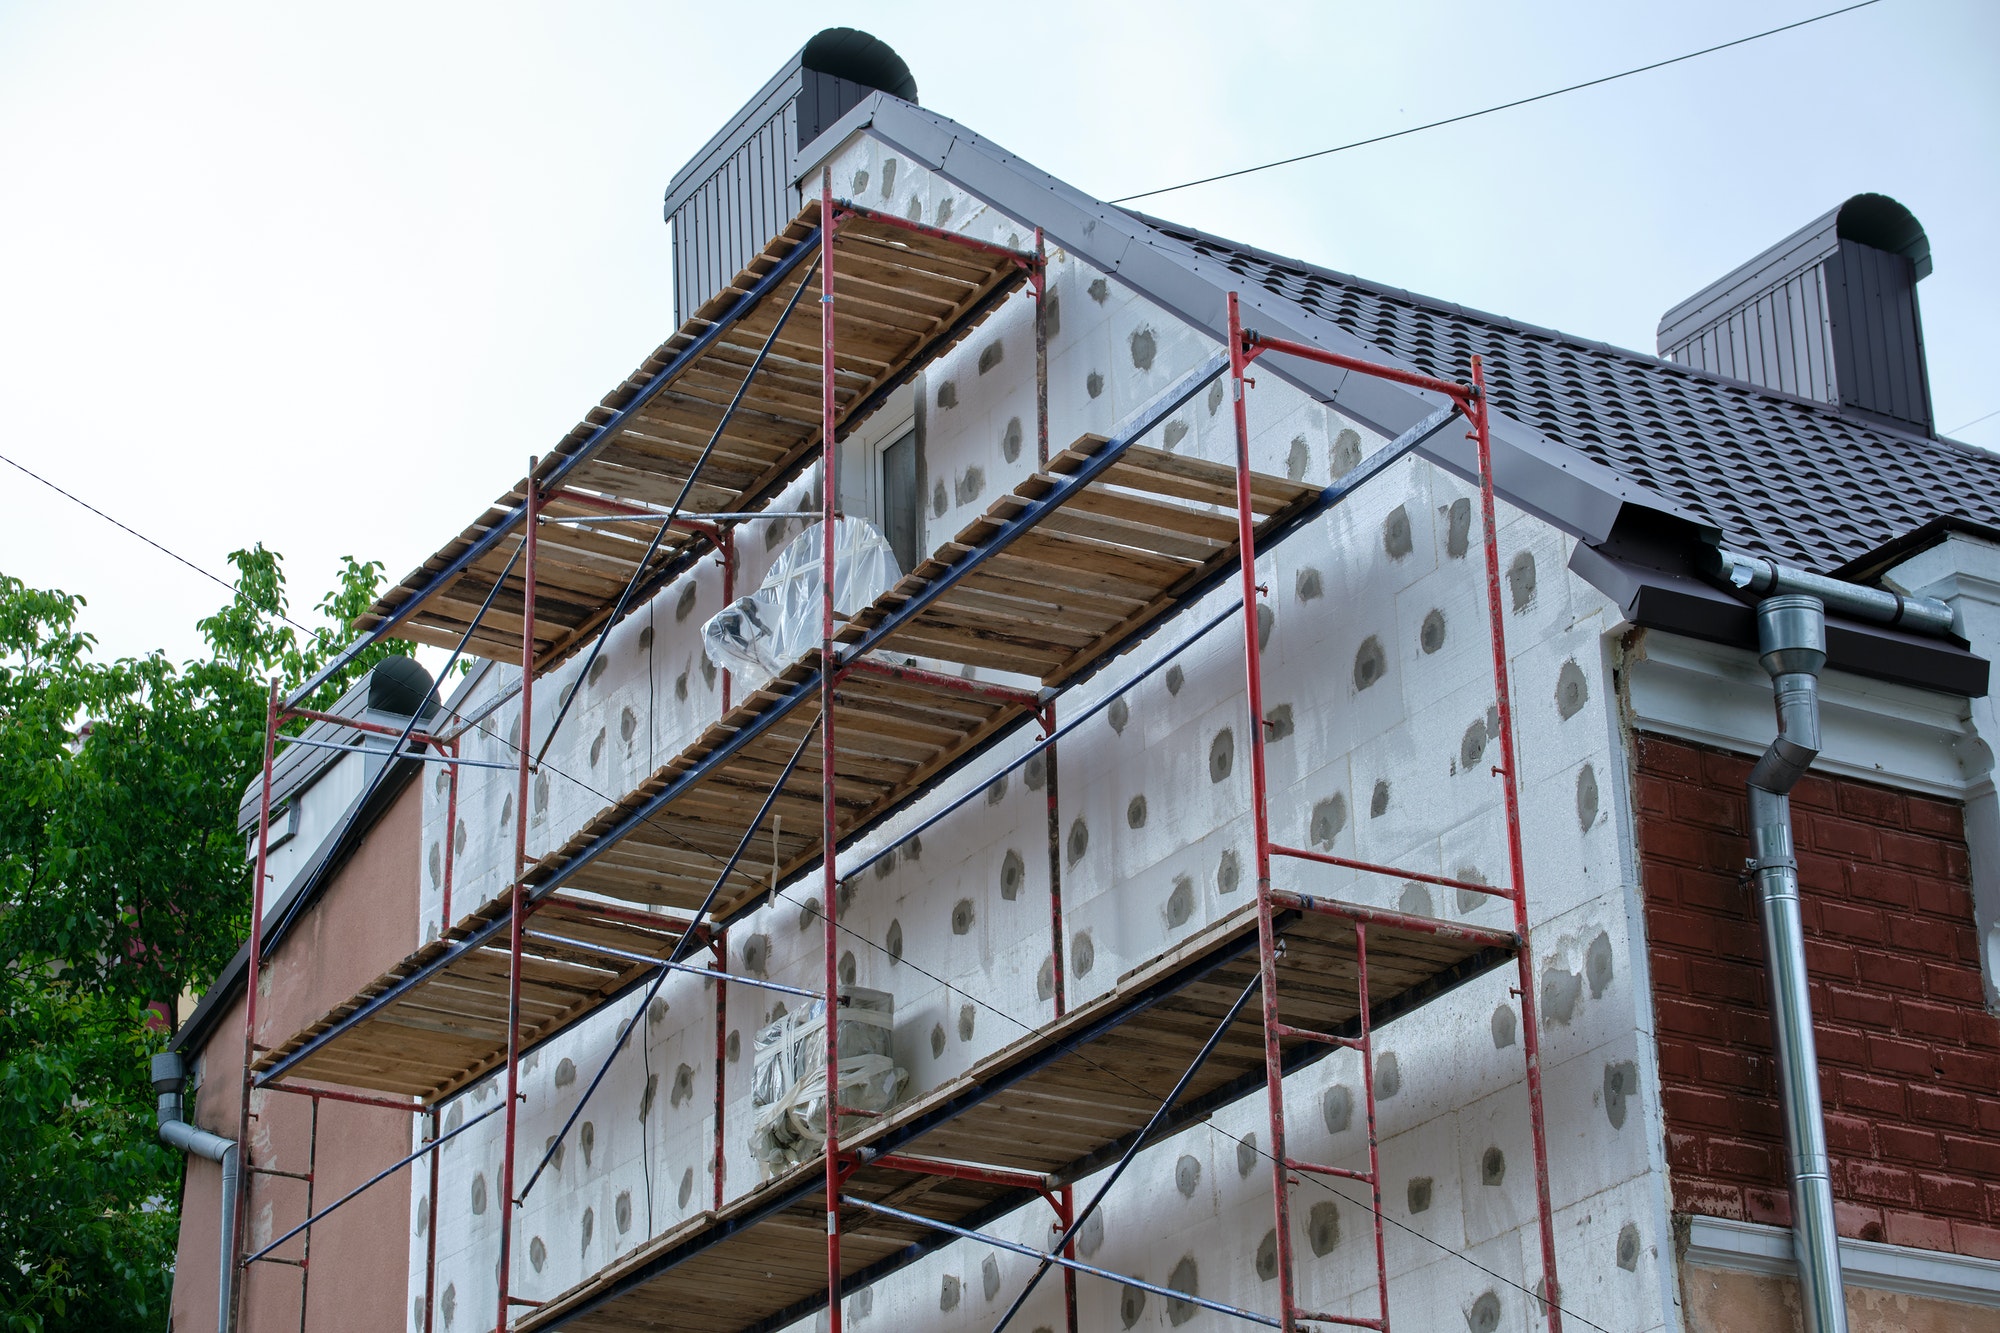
1532	472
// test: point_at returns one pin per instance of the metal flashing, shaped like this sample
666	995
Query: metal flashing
1750	1247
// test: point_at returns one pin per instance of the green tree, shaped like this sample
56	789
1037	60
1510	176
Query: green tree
123	883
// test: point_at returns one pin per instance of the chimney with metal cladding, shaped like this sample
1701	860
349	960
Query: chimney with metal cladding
1829	313
737	193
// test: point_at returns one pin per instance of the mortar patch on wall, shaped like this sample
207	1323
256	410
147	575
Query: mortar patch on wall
1628	1247
990	356
621	1211
1323	1227
1586	797
1457	527
1118	714
961	916
937	1040
1267	620
1175	679
1035	772
1144	346
1298	460
1336	1108
1131	1305
948	1292
1246	1154
1214	397
1572	690
1180	902
1598	965
1100	290
1388	1076
1396	533
989	1277
1221	755
947	398
1278	723
1051	315
1484	1316
1492	1166
686	1190
1010	445
1012	871
1175	432
538	1253
1187	1176
1418	1195
1082	954
1228	871
967	488
1306	584
1370	663
1504	1023
1621	1081
1521	580
1135	812
1329	817
940	500
1184	1279
1079	840
1378	800
1267	1256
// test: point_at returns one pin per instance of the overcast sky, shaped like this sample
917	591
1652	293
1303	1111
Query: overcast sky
324	277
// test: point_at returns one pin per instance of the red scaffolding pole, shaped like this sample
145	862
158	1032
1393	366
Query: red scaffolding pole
518	899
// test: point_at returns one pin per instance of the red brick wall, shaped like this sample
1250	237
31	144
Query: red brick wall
1909	1056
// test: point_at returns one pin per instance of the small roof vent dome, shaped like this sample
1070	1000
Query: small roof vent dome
858	57
401	686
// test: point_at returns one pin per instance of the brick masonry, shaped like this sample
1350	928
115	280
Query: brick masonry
1909	1055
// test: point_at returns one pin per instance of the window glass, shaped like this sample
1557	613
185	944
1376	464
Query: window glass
900	500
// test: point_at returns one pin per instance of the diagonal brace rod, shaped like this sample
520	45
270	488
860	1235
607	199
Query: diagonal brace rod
673	960
652	547
918	1219
373	1180
1139	1143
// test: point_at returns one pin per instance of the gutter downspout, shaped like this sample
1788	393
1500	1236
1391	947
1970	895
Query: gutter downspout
1791	634
169	1077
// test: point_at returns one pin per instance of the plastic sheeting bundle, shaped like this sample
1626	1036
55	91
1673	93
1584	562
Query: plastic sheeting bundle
762	634
788	1089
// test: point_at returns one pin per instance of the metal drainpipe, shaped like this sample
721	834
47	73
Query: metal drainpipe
169	1077
1791	634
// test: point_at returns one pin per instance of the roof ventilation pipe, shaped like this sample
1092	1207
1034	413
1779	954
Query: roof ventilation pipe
1791	634
169	1077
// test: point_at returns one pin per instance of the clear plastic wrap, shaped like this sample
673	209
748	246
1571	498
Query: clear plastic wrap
762	634
788	1087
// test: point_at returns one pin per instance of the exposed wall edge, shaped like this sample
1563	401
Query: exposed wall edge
1750	1247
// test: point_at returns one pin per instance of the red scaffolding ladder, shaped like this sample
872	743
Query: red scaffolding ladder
1470	401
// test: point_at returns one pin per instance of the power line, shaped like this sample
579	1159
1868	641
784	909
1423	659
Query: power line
1974	422
208	574
1504	106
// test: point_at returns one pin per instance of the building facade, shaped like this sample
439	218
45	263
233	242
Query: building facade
1638	707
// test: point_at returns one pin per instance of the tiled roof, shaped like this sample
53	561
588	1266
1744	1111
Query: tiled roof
1798	481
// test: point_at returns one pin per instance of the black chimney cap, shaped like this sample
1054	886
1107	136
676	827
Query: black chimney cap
401	686
858	57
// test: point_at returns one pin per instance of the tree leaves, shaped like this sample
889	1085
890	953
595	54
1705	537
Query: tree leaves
123	884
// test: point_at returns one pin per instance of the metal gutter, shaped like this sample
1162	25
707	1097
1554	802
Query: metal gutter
169	1074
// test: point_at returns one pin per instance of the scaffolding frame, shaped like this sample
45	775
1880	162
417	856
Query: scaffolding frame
840	658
